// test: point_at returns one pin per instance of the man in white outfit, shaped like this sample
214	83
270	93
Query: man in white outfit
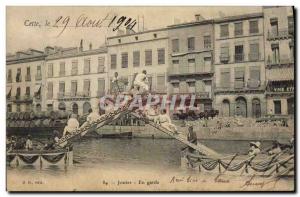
141	81
165	121
72	125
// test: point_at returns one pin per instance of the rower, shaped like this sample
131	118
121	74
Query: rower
72	125
165	121
141	82
92	117
254	148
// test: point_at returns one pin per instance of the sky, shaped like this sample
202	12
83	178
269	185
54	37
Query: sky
20	36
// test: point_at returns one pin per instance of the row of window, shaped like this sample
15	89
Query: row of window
136	56
191	43
239	78
239	53
238	28
27	76
74	69
74	88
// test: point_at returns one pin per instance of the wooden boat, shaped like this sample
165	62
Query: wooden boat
40	158
281	164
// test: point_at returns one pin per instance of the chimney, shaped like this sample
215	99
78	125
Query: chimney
198	17
90	46
81	45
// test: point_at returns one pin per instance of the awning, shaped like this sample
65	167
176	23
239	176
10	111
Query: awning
8	90
281	74
37	88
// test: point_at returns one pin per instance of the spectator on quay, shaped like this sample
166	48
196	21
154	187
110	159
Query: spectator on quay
29	144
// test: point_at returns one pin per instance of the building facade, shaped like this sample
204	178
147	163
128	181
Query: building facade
279	53
131	53
190	69
75	79
24	80
239	80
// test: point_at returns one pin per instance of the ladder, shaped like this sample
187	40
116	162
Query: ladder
103	120
181	137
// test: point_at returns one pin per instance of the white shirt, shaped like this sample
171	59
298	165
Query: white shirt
73	123
92	117
28	144
141	77
163	118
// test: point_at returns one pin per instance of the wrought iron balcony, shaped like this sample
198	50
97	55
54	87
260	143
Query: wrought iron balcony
280	34
74	71
188	70
224	58
38	77
73	95
27	77
239	86
101	69
239	57
22	99
62	73
9	80
199	94
275	62
254	57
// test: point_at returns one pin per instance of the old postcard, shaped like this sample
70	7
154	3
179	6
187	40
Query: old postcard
150	98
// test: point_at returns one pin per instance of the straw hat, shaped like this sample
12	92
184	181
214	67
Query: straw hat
256	144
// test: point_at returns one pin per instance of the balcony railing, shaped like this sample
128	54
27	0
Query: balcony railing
101	69
224	58
27	77
280	34
272	62
74	72
25	98
38	77
199	94
19	78
62	73
186	70
240	85
239	57
100	93
74	95
253	56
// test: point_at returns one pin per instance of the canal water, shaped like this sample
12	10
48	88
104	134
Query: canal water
96	159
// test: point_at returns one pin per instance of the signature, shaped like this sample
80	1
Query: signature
83	21
261	184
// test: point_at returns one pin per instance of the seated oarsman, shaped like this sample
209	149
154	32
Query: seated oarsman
165	122
72	125
276	149
91	118
29	144
254	148
151	114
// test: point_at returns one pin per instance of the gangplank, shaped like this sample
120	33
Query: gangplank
180	137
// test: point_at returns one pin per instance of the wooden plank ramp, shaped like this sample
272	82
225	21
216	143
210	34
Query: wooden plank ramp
181	137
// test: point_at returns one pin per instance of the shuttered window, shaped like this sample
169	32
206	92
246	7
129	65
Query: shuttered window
161	87
254	52
86	87
113	61
136	58
161	56
191	43
225	78
224	32
239	77
148	57
62	70
124	60
62	87
101	64
101	87
50	70
73	88
87	66
74	70
50	90
175	45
